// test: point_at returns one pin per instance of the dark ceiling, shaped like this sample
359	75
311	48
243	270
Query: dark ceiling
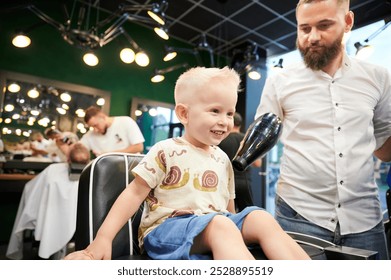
232	24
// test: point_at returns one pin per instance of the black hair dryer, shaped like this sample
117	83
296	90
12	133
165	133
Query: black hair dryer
260	137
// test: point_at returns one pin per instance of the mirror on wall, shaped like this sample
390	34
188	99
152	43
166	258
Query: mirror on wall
157	120
29	103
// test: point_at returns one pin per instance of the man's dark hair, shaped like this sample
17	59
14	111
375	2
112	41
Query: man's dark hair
91	111
237	119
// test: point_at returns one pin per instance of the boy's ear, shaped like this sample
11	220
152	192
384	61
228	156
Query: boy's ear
181	112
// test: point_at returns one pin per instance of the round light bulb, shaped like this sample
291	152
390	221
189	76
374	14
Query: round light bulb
90	59
142	59
127	55
21	41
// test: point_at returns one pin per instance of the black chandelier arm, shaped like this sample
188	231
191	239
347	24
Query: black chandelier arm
130	39
137	18
45	17
380	30
171	68
115	26
107	39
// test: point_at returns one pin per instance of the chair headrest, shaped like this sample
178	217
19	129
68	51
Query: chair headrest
75	170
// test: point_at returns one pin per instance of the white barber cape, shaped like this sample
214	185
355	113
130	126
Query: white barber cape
48	205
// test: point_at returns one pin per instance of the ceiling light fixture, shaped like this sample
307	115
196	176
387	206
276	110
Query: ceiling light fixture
202	45
365	50
79	31
249	60
158	75
279	63
21	40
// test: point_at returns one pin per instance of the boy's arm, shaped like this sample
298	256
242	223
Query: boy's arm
122	210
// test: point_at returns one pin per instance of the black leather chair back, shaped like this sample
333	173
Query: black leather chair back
100	184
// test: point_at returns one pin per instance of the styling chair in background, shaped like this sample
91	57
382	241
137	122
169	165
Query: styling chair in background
105	178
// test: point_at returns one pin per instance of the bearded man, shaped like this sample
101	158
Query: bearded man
336	113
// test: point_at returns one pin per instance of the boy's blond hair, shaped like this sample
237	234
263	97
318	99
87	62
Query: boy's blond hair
197	78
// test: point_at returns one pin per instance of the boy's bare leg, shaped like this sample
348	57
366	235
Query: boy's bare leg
261	227
223	239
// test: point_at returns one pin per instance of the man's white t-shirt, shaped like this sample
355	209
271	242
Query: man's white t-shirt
122	133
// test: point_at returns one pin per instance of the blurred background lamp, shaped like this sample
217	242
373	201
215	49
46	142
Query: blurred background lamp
100	101
66	97
33	93
14	87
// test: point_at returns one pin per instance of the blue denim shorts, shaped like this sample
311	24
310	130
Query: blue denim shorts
173	239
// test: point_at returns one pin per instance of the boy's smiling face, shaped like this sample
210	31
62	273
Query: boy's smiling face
210	114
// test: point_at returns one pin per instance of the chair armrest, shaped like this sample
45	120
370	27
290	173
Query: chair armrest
348	253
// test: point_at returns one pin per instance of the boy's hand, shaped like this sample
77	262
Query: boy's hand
99	249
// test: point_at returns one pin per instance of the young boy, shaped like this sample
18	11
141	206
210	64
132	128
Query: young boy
188	185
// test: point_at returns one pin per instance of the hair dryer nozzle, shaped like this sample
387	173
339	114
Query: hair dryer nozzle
260	137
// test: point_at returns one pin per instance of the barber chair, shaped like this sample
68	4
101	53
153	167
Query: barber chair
105	178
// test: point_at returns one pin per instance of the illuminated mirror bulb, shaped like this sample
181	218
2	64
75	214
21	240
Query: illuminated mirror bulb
9	107
152	112
100	102
65	96
14	87
254	75
33	93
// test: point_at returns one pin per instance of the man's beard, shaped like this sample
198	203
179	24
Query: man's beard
320	59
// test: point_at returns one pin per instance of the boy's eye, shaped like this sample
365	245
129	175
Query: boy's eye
216	111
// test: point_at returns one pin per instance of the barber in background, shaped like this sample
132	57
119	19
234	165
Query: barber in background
60	147
336	113
230	146
111	134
